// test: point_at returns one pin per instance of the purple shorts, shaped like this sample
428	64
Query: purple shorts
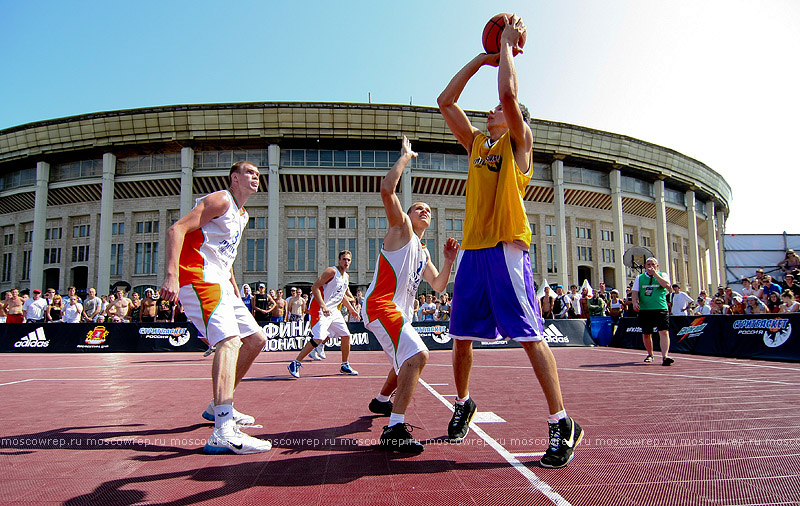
494	297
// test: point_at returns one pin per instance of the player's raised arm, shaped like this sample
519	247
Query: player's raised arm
207	209
399	231
453	115
508	88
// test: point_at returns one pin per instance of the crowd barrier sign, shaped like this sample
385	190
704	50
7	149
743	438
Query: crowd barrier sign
284	336
764	336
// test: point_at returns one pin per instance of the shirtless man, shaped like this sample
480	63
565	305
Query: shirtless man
13	306
547	303
149	308
122	305
278	313
296	306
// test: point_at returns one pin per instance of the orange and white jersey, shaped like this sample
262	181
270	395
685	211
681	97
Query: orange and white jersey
396	280
208	252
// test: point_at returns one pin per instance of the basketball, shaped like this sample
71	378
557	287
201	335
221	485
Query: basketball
493	30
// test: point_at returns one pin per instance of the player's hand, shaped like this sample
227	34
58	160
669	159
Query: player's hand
636	306
512	33
169	290
406	148
491	59
326	311
451	247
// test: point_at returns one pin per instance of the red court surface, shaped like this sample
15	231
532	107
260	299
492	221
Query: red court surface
123	429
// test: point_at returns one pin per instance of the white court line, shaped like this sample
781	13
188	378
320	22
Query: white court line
708	359
15	382
537	482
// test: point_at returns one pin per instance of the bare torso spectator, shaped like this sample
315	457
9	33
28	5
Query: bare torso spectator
136	307
35	308
278	313
547	303
122	306
296	306
13	307
92	306
148	309
73	311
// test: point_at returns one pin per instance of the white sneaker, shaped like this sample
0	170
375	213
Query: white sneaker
233	440
239	418
314	355
320	349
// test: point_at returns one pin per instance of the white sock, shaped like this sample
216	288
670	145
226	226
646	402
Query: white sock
557	417
462	401
223	414
383	398
396	418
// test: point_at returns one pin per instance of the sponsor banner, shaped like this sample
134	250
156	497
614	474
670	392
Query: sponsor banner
292	336
97	337
765	336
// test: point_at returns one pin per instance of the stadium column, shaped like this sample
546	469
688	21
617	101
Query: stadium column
713	254
619	229
662	241
39	225
694	260
559	202
273	215
106	216
187	178
723	276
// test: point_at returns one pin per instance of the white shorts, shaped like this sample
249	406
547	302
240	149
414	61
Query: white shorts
217	312
400	344
329	326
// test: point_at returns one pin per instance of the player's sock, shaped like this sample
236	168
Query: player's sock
396	418
556	417
383	398
223	414
462	401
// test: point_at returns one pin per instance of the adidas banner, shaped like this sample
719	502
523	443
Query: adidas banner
764	336
96	337
285	336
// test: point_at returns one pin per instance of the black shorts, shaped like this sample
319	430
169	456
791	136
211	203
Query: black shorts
653	319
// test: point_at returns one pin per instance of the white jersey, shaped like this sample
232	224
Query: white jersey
208	253
333	291
396	280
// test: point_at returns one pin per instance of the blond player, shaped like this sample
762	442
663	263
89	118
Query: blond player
389	303
201	248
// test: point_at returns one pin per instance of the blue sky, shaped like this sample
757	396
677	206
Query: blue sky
715	80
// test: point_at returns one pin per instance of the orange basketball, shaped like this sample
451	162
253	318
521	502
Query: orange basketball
493	30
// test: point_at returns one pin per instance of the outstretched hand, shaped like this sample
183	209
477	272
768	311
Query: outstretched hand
406	148
451	247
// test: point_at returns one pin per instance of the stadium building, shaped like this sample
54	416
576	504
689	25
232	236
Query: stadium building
87	200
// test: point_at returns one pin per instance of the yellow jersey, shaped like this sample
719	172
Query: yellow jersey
495	211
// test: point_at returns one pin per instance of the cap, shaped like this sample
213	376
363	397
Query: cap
36	290
261	285
759	270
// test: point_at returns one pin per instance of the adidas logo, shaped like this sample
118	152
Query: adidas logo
34	339
553	335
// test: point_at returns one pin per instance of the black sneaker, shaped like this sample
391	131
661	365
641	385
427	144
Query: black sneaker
564	437
667	361
381	408
648	359
459	424
398	438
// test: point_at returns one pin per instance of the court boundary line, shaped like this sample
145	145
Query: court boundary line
509	457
